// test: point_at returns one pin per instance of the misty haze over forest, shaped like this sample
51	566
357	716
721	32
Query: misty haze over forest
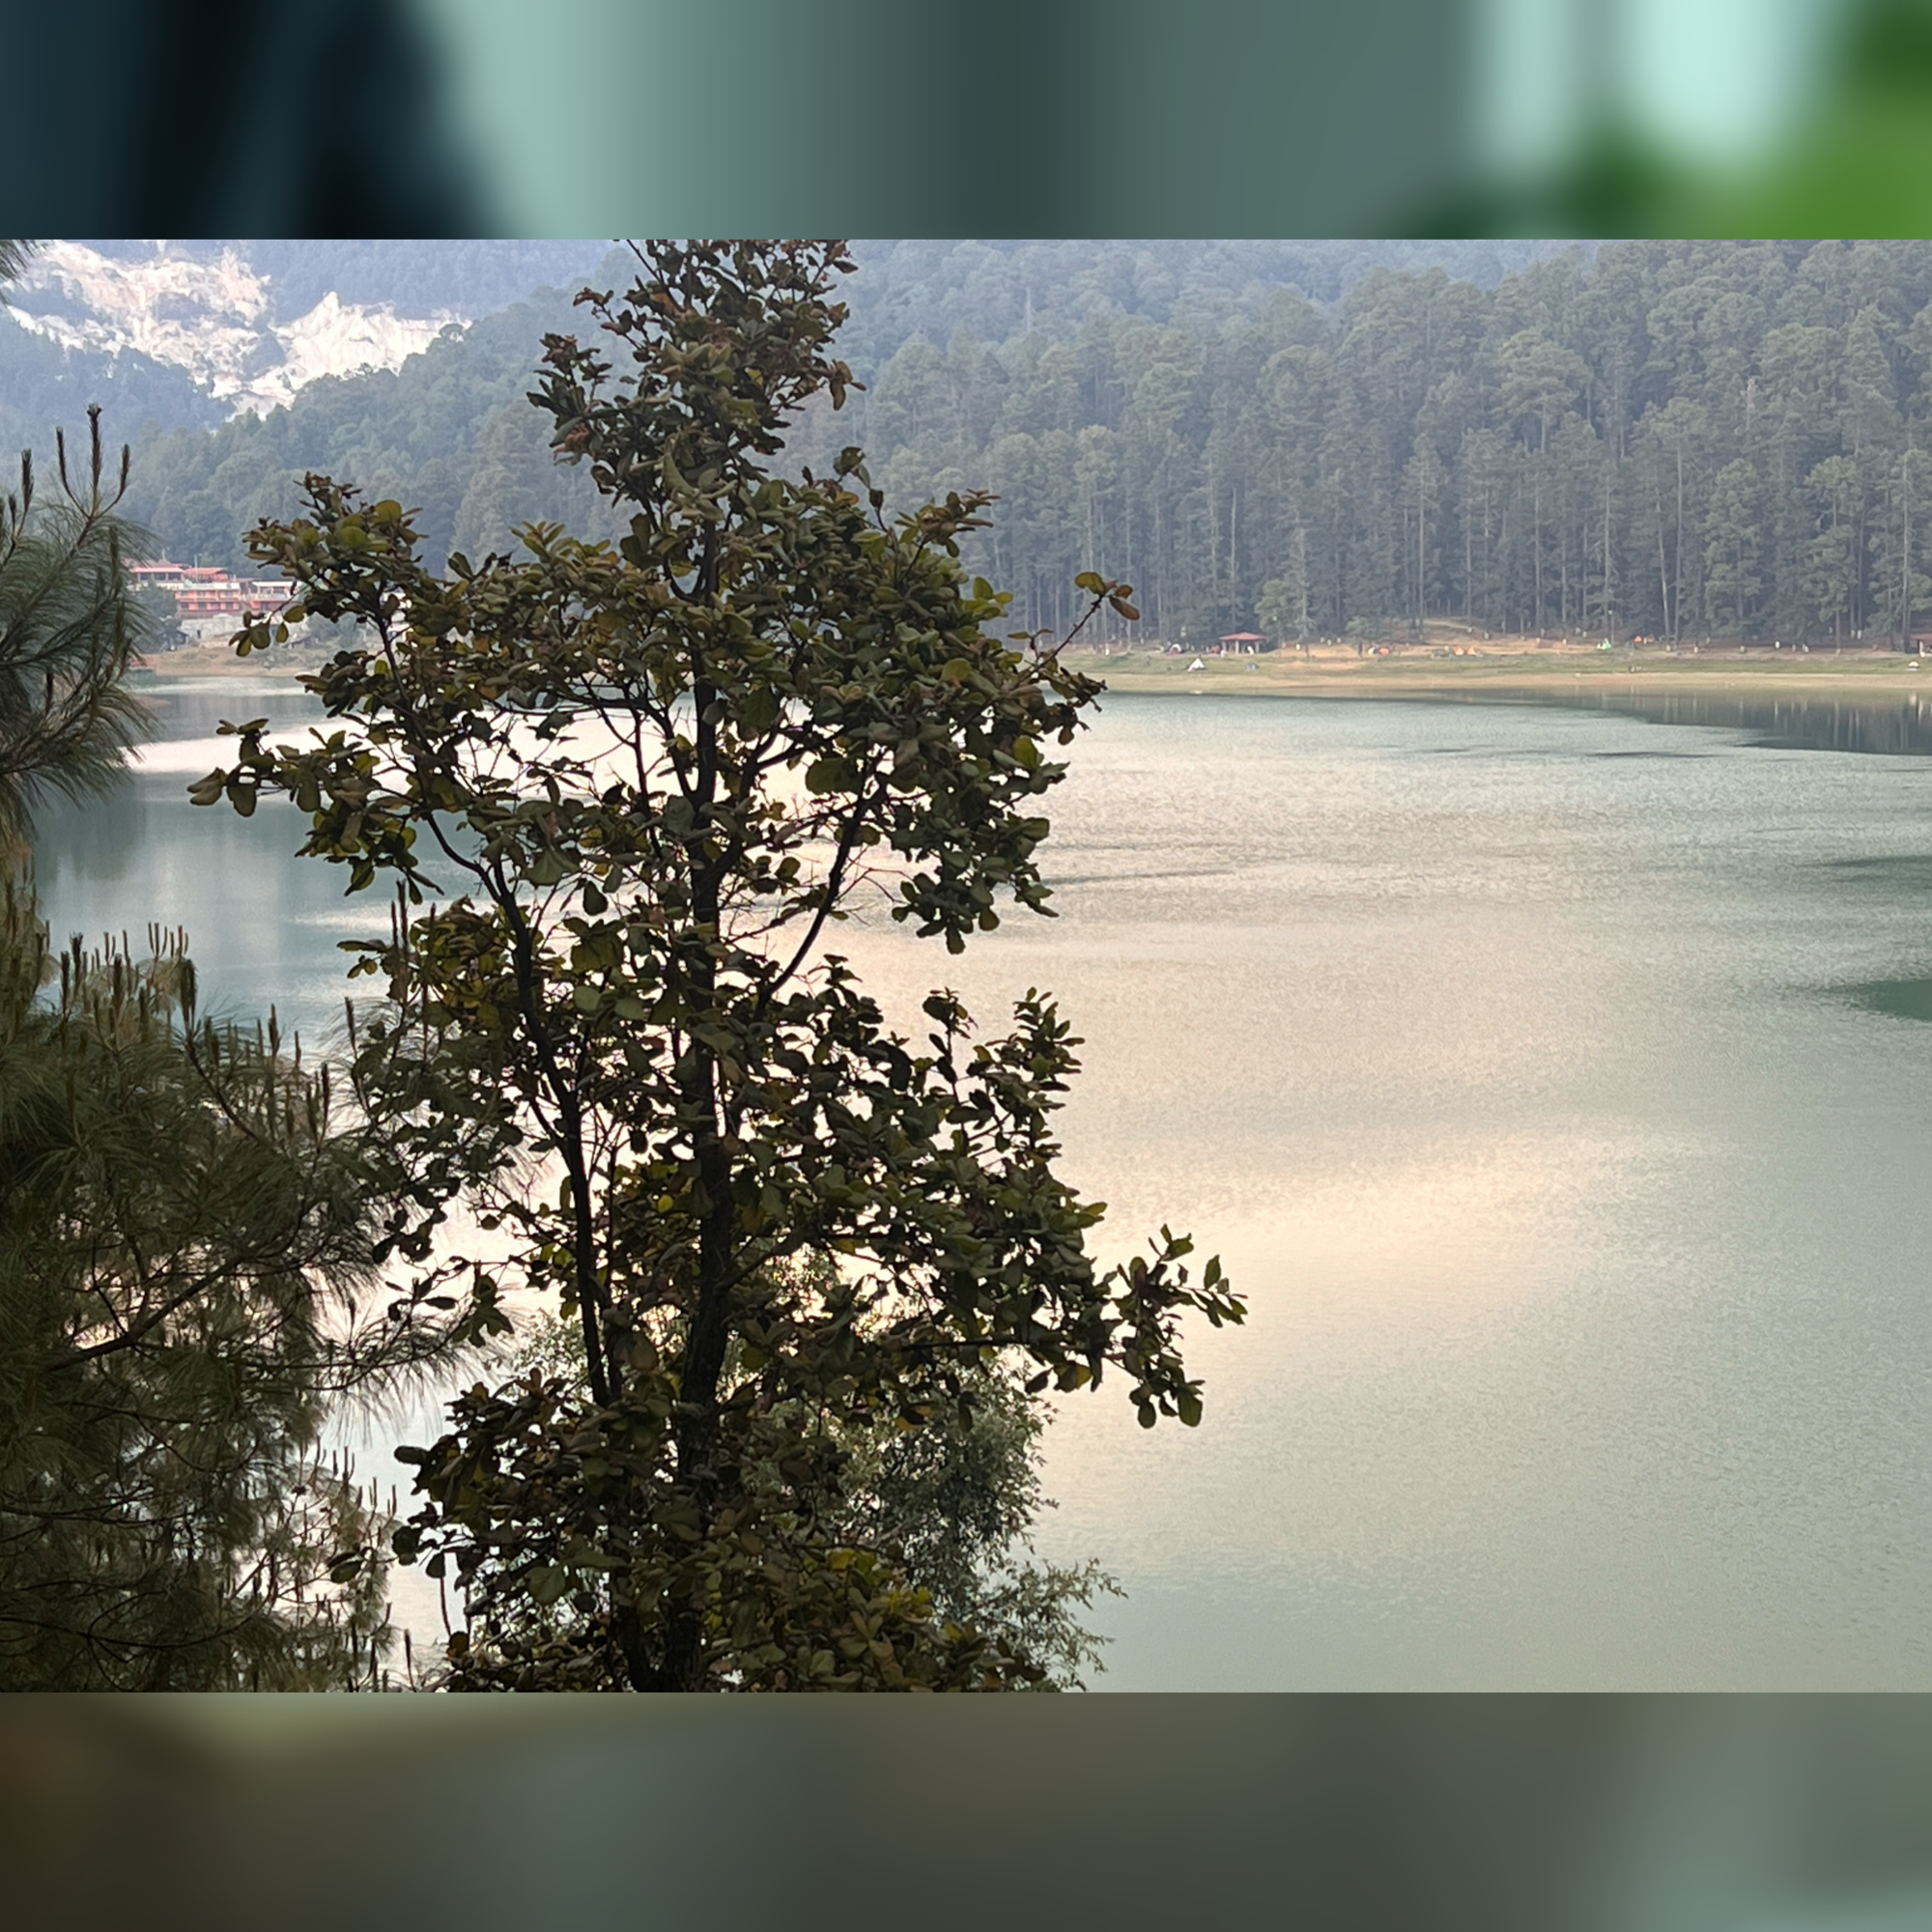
1672	438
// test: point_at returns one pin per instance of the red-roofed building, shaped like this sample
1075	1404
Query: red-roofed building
200	591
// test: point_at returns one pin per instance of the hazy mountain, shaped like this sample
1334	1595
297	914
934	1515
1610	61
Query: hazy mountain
170	335
235	367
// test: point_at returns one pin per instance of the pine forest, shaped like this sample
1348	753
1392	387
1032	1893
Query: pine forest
1678	439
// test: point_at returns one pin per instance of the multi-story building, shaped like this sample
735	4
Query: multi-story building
200	592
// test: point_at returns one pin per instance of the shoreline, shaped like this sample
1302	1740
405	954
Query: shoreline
1873	676
1503	674
204	661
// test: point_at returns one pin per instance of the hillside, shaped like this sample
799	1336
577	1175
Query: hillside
236	366
1673	439
169	335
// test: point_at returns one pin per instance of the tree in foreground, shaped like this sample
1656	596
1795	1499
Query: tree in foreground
652	778
185	1285
958	1500
187	1240
70	628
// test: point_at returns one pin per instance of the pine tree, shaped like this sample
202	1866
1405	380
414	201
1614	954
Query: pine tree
1732	582
186	1284
189	1236
1835	492
69	626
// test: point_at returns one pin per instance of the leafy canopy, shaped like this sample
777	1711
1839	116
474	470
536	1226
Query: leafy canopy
621	793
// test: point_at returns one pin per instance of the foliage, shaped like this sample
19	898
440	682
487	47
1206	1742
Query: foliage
184	1244
69	625
954	1503
1524	439
185	1241
655	775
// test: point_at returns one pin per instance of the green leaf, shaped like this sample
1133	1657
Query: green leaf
622	1000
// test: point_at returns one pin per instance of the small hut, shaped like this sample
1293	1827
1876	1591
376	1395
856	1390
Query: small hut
1242	641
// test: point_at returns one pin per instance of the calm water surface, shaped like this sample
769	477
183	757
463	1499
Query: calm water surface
1554	1083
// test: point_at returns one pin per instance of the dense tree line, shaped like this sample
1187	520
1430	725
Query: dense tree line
1669	437
998	291
1679	438
448	432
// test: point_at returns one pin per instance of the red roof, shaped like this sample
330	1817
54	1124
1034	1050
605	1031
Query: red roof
1243	637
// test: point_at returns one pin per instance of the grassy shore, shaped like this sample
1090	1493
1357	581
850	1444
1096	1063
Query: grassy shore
1334	670
1504	668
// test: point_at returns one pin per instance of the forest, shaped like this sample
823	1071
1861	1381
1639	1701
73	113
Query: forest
1673	439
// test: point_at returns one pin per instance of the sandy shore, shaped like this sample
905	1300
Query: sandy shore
199	660
1332	673
1338	672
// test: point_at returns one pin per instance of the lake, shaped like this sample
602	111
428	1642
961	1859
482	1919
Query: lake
1553	1081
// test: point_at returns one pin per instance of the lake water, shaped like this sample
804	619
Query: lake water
1554	1083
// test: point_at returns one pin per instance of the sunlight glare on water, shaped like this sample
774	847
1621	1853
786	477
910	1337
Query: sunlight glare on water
1584	1223
1526	1069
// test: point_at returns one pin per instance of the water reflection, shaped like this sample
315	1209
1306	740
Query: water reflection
1892	726
1513	1070
1583	1223
1902	998
264	929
